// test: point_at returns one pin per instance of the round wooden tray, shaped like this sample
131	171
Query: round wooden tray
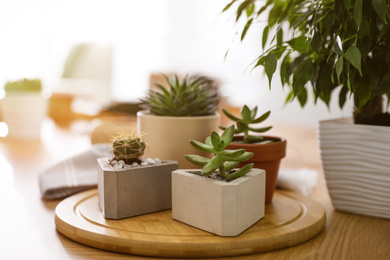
289	220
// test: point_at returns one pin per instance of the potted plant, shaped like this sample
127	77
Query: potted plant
23	108
185	110
336	45
128	185
268	150
219	198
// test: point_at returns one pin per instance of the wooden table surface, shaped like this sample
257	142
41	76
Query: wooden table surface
27	229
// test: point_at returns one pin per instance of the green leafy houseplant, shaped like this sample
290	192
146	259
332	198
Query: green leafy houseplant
334	45
190	96
243	123
224	160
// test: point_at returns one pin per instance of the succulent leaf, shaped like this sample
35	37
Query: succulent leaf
191	96
241	172
197	159
202	147
211	166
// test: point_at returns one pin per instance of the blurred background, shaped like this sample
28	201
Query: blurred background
92	54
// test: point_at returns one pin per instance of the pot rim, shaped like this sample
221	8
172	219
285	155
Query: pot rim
146	113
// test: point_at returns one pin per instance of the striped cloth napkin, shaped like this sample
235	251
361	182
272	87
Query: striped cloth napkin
74	174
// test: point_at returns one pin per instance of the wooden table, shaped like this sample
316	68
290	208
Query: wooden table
27	229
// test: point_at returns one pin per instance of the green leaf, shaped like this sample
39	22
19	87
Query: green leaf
299	44
247	25
241	172
279	37
250	9
353	55
348	4
343	96
208	141
270	64
241	8
261	118
246	114
260	130
228	166
253	113
215	140
316	41
228	6
250	139
211	166
227	136
202	147
358	12
380	7
338	46
230	116
302	97
232	153
265	36
384	86
197	159
244	157
339	67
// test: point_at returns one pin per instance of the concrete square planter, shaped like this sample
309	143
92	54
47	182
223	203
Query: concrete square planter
129	192
219	207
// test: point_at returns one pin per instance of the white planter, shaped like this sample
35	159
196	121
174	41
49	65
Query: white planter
168	138
129	192
356	165
222	208
24	114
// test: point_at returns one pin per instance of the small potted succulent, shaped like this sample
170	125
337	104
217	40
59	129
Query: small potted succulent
129	185
268	150
23	108
219	198
186	109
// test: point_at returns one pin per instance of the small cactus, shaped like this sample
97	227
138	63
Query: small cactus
129	148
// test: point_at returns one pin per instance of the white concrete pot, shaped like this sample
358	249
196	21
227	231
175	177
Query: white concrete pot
129	192
168	137
356	165
219	207
24	114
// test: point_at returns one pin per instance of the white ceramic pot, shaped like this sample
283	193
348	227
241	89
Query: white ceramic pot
168	138
356	165
24	114
219	207
129	192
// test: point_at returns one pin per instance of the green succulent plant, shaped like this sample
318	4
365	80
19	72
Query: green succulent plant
190	96
332	45
224	161
128	147
23	85
248	117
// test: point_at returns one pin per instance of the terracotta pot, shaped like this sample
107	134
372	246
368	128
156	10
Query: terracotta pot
267	157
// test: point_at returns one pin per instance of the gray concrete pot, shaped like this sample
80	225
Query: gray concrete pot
129	192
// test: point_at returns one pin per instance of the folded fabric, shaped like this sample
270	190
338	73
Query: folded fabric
79	173
74	174
301	180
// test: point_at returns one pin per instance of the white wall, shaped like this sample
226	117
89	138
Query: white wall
148	36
